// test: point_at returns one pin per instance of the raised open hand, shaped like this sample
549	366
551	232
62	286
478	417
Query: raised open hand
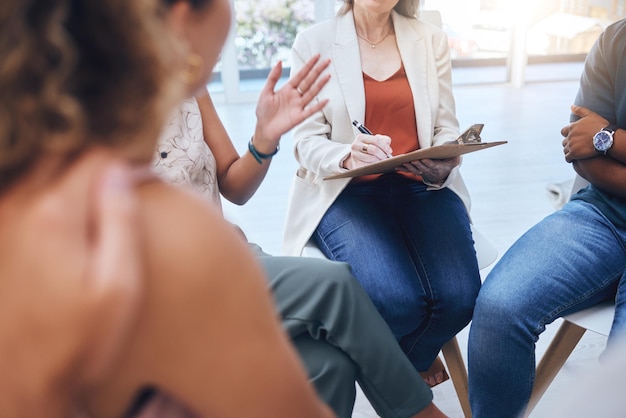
279	111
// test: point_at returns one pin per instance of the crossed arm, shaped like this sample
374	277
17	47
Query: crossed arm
607	172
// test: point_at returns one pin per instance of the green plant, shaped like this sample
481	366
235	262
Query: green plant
266	29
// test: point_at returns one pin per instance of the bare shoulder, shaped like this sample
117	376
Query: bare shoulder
202	287
183	232
191	250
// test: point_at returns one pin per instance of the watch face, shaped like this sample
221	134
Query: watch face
602	141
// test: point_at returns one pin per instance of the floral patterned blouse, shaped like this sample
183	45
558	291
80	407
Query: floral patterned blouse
182	157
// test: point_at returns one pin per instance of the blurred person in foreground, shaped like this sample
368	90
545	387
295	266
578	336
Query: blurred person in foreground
75	76
69	288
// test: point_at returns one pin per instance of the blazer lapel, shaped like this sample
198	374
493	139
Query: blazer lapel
347	62
415	58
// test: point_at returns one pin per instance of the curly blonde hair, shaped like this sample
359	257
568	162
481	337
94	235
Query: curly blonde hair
408	8
76	73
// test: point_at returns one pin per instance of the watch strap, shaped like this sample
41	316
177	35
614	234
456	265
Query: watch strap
610	127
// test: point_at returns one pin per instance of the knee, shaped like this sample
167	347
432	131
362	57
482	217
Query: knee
459	304
498	311
463	302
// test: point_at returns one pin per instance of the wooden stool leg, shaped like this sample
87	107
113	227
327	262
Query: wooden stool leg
553	359
458	373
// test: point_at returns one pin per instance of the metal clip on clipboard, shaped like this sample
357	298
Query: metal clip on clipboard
471	134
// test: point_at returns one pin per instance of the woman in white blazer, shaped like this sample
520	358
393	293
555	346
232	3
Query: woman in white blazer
406	234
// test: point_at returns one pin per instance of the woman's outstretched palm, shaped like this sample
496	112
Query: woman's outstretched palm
279	111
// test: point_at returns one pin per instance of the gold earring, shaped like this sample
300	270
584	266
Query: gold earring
192	73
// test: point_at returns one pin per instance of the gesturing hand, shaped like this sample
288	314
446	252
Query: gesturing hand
277	112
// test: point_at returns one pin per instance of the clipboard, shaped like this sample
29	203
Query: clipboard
468	141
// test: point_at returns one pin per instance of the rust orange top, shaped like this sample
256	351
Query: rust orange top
389	110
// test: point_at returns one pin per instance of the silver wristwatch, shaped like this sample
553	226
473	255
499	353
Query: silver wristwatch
603	140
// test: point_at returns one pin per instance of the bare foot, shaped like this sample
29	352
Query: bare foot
435	374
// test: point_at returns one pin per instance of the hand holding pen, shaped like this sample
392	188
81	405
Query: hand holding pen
381	141
367	148
361	127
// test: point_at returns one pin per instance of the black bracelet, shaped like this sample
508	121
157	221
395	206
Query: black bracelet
259	156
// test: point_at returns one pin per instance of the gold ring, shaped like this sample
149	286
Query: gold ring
364	148
300	91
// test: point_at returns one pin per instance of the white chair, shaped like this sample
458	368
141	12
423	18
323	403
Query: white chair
486	254
597	319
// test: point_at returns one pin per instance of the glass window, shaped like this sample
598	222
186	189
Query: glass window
476	29
265	31
570	27
482	29
492	34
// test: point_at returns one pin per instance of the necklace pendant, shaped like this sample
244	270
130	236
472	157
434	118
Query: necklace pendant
373	46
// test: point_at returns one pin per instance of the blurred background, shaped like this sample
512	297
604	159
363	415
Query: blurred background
504	35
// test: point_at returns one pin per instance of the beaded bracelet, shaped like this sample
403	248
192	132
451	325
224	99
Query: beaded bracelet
259	156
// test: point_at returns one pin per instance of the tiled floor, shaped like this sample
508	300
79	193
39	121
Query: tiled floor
508	185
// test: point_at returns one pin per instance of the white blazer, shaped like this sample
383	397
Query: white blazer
323	140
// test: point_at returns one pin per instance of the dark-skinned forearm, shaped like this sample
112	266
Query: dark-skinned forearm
605	173
618	150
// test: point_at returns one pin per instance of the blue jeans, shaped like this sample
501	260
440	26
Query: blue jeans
413	253
571	260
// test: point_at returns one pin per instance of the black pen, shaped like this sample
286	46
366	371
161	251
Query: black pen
365	131
361	127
